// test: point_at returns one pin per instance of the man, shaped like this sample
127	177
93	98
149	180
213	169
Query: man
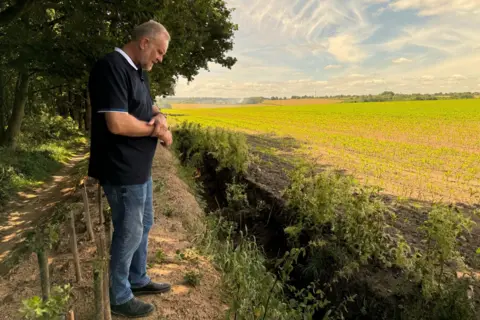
126	128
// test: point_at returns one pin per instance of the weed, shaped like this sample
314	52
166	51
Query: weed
52	309
168	211
193	278
190	255
160	256
159	186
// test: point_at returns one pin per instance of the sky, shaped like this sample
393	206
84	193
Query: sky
331	47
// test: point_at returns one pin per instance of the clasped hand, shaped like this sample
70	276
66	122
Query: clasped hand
161	129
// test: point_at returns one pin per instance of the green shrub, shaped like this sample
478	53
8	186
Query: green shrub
194	143
329	206
45	127
53	309
443	233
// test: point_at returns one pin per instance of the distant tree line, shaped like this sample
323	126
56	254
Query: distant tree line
388	96
391	96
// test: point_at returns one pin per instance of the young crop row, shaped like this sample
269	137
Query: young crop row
421	149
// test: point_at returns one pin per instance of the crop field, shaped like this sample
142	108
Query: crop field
426	150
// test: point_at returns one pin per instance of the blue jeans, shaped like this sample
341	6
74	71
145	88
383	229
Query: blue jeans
132	217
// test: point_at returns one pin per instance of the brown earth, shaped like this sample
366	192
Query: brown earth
299	102
26	210
181	106
177	221
288	102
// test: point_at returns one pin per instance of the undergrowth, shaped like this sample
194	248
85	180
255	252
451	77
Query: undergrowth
339	237
44	145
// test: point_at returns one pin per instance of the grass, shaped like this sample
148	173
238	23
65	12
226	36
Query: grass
38	155
423	149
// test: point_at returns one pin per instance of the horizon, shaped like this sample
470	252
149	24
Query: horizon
328	47
475	93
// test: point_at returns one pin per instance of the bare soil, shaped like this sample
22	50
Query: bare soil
25	211
299	102
169	235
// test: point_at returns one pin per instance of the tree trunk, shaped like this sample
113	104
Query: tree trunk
73	244
44	274
15	122
77	110
61	104
70	104
88	111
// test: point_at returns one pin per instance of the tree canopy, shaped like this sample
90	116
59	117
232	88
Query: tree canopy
49	46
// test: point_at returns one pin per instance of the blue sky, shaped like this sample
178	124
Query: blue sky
288	47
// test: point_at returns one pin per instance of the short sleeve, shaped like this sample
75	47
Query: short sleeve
111	88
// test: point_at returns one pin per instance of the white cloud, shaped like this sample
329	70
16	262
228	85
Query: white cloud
437	7
459	77
333	66
374	81
356	75
401	60
345	48
379	12
441	36
427	77
283	47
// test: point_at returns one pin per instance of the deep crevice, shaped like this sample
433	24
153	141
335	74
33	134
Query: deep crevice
266	216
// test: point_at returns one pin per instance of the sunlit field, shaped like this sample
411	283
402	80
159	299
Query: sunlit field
428	150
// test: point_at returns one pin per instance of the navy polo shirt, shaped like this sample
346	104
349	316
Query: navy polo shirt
117	85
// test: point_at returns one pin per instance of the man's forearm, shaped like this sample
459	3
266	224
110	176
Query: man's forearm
127	125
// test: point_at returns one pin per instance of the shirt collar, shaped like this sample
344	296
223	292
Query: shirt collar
126	56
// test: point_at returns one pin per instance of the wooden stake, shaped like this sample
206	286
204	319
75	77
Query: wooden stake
102	252
44	274
73	244
88	219
111	231
98	291
100	206
71	315
106	278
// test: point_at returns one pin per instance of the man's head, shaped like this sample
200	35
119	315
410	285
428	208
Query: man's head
150	40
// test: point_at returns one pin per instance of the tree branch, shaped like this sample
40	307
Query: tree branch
53	22
14	11
47	89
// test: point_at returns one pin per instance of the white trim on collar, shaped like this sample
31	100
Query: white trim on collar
126	56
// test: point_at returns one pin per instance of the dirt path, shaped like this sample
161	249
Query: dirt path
177	215
24	212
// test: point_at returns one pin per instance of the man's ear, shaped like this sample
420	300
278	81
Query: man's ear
144	42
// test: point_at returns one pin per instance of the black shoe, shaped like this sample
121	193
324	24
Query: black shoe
152	288
133	308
